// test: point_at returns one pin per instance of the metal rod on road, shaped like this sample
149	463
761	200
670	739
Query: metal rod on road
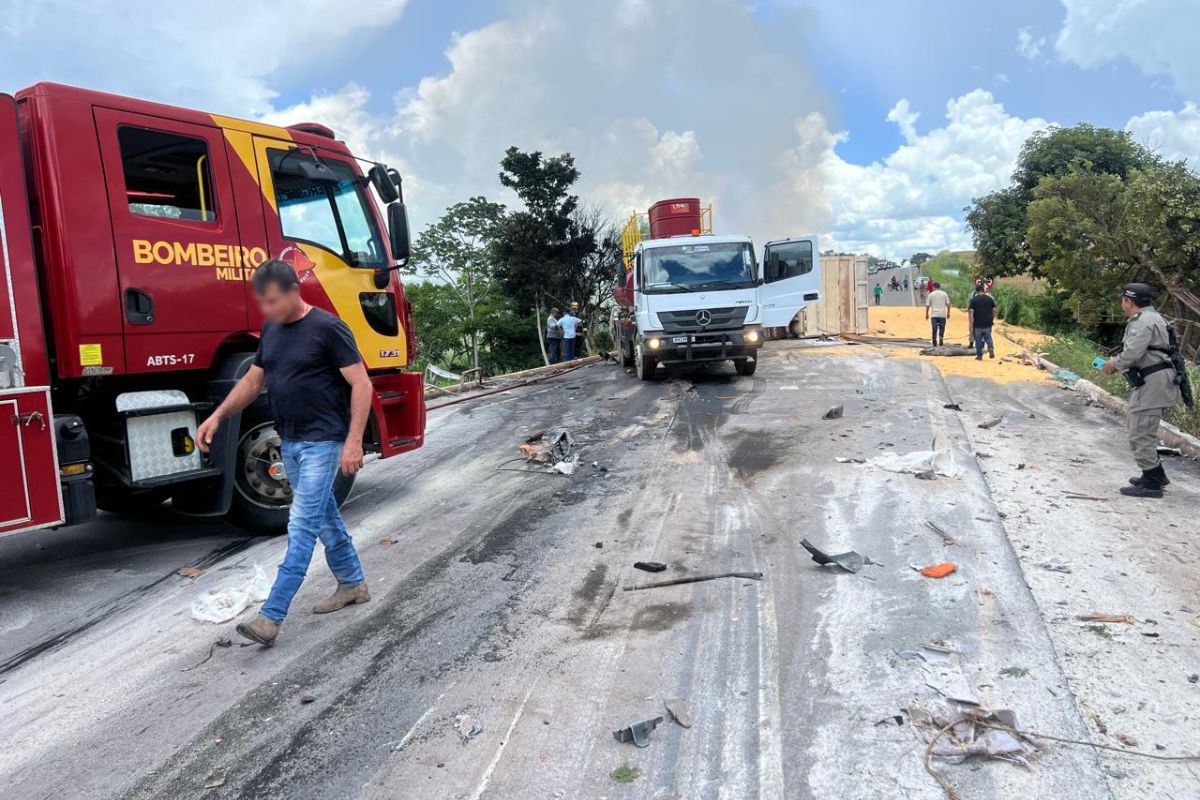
756	576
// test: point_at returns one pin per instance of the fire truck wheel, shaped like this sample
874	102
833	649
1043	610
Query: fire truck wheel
745	366
262	495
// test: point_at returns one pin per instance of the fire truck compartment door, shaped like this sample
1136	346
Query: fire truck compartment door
791	279
179	253
29	491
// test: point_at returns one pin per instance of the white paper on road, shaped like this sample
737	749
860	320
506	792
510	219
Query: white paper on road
937	461
223	603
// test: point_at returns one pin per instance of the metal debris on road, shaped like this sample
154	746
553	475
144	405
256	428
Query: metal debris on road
679	712
215	779
638	732
938	570
990	423
947	538
754	576
1076	496
650	566
952	407
953	735
1125	619
834	413
223	641
305	699
850	561
467	726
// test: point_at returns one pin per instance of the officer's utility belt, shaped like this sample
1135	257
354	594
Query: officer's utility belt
1137	375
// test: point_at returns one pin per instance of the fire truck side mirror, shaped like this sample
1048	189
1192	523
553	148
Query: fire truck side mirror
383	184
398	232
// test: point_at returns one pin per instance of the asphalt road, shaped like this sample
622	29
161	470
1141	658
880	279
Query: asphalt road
503	599
903	297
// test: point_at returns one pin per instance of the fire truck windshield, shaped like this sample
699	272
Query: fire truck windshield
697	266
334	216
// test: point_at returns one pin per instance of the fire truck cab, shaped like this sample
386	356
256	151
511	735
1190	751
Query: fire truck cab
128	234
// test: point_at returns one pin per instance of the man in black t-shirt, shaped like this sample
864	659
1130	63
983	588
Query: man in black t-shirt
981	313
320	396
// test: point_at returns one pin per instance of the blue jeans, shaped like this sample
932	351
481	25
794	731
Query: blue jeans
939	330
311	468
569	349
982	335
554	349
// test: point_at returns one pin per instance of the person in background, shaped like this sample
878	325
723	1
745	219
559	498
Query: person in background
906	283
981	314
570	327
878	293
937	311
1145	357
554	336
320	397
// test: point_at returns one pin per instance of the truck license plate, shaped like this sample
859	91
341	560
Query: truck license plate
679	340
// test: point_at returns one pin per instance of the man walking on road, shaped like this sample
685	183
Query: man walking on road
554	336
878	292
1146	358
570	325
981	315
320	396
937	310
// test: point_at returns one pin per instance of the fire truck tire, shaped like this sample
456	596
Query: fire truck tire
262	496
644	364
745	366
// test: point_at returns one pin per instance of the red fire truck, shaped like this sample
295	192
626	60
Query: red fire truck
128	233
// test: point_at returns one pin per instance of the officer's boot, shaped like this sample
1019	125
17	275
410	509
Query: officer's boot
1147	486
1158	473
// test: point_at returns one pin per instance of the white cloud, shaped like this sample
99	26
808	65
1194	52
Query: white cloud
1171	134
1029	46
1159	36
913	199
221	54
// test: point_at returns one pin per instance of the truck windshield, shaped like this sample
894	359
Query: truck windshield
333	216
697	266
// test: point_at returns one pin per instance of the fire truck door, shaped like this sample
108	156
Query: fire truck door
791	278
29	491
181	260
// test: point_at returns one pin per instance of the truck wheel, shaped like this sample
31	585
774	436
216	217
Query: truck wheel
745	366
644	364
262	495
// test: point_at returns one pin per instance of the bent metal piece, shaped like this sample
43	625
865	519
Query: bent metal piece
638	732
849	561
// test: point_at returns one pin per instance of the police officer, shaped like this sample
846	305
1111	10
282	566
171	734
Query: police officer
1145	359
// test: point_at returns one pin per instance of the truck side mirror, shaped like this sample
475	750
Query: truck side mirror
398	232
382	181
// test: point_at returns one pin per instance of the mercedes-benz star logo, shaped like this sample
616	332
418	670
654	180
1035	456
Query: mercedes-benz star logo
703	317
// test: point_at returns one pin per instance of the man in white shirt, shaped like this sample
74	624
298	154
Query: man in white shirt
937	311
569	325
554	337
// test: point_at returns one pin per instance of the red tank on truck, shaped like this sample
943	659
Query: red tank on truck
128	234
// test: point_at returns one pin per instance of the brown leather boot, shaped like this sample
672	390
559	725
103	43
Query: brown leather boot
344	596
260	629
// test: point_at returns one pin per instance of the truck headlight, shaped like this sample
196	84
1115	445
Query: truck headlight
753	335
654	344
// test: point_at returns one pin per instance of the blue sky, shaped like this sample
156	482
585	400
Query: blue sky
869	123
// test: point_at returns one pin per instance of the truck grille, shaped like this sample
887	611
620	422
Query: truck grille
690	321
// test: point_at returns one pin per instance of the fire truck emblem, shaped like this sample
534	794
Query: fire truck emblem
703	317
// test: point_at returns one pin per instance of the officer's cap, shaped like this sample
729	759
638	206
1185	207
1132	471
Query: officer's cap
1143	292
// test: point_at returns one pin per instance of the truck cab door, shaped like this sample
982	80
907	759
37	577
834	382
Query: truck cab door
791	278
180	258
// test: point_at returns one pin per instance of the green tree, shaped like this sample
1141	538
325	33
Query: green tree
457	252
919	258
999	221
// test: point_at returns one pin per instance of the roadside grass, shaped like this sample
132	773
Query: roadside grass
626	773
1076	353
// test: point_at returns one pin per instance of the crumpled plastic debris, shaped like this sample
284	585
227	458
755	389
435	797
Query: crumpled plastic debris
467	726
938	570
552	452
850	561
972	732
943	672
937	462
223	603
1054	565
1066	376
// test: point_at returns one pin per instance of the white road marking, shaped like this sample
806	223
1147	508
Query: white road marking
491	767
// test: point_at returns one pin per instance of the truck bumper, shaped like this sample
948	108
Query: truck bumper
701	347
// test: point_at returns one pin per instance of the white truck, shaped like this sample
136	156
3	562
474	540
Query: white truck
699	298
